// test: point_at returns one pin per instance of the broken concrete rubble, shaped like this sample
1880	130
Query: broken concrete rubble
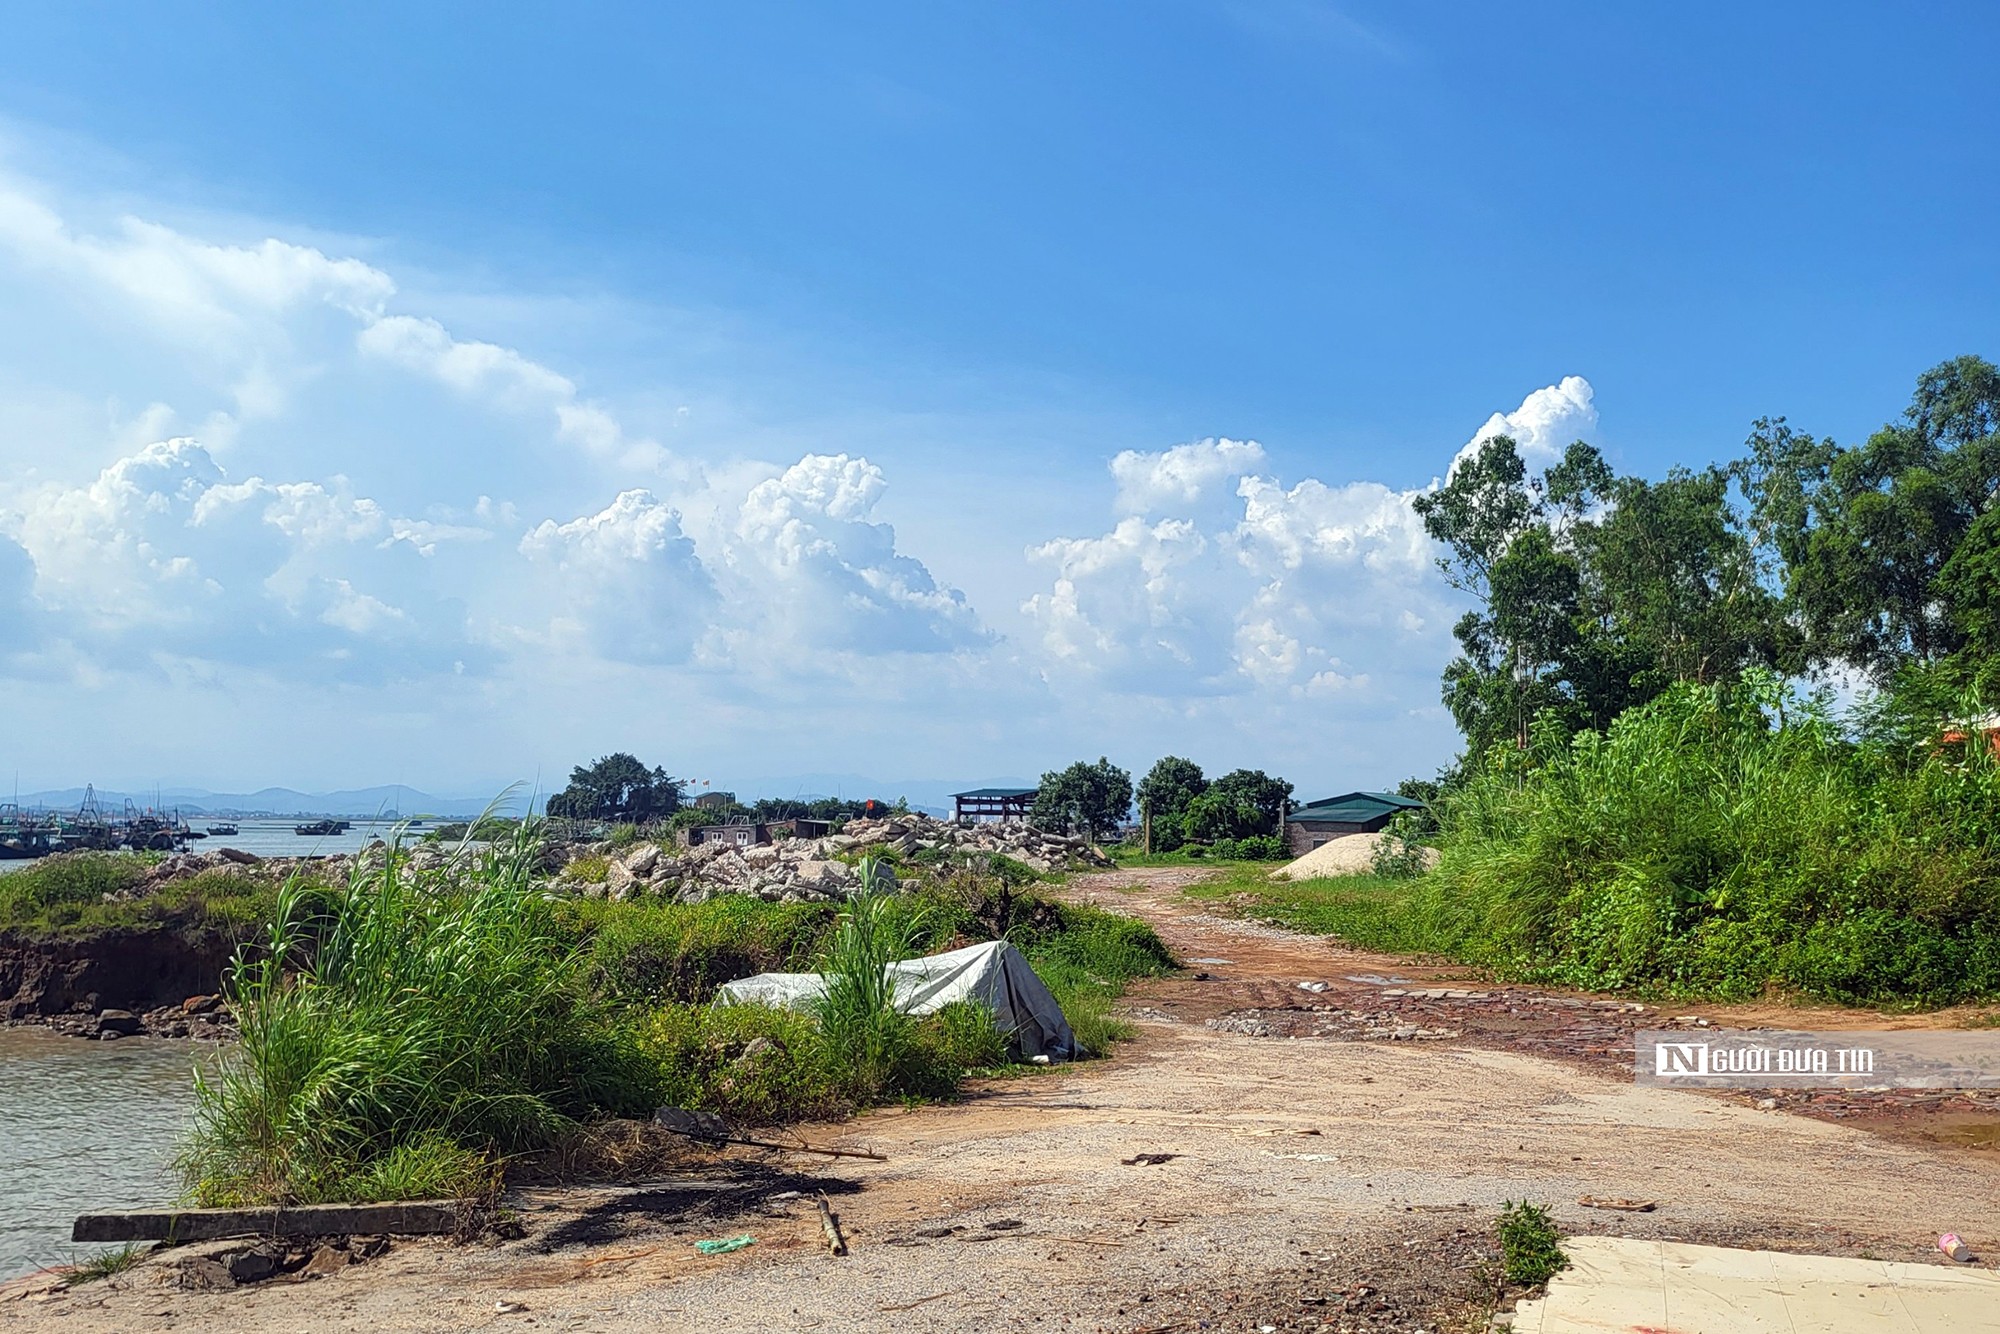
811	869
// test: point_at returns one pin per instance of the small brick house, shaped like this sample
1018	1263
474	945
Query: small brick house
1352	813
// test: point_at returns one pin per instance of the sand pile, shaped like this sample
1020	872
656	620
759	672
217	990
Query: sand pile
1349	854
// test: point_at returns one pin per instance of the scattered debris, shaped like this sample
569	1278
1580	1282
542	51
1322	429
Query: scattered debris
1005	1225
1314	987
911	1306
1148	1159
708	1128
724	1245
1622	1205
829	1223
1955	1248
509	1308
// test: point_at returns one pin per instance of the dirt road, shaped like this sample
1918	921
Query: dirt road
1207	1177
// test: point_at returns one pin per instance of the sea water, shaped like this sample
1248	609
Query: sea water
85	1126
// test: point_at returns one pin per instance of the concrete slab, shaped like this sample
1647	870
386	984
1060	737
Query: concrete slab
1663	1287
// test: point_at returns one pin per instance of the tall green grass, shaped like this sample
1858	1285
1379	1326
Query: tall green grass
409	1033
1724	843
420	1028
857	1013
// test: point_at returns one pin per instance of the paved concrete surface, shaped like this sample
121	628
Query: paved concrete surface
1662	1287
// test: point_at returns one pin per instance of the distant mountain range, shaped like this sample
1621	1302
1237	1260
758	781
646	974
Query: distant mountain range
364	801
926	794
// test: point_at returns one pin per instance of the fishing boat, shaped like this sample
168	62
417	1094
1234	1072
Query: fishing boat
322	828
223	830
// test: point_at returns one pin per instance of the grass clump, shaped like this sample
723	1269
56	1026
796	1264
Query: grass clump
414	1031
105	1264
1530	1247
857	1012
427	1025
762	1065
647	951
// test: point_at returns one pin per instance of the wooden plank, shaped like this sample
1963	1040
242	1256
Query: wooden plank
409	1218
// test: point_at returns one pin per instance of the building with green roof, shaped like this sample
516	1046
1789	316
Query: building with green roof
1321	821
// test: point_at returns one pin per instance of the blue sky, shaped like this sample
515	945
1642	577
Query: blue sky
887	322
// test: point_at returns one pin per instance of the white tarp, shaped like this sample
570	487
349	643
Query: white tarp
994	974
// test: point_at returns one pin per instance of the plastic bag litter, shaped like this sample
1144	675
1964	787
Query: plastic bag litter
724	1245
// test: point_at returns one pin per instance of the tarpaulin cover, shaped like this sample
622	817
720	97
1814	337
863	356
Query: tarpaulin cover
994	974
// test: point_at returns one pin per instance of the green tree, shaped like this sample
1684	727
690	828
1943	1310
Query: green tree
1596	592
1672	572
1164	794
618	787
1868	534
1244	803
1509	541
1088	799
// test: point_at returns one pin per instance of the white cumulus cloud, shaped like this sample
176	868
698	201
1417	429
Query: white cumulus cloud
628	578
161	554
812	568
1545	424
1172	479
1297	590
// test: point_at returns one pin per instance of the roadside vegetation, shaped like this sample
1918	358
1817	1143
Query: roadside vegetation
1716	843
412	1033
1647	800
1530	1247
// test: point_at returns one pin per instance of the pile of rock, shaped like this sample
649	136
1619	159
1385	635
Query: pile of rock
809	869
200	1018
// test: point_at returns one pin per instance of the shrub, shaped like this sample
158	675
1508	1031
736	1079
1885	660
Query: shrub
753	1064
644	951
1398	855
1254	848
1722	842
1530	1248
591	870
76	893
56	889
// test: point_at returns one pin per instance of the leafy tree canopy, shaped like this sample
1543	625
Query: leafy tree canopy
618	787
1164	794
1245	803
1596	591
1090	799
1888	547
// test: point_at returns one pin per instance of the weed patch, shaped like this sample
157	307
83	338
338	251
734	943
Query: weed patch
1530	1248
85	893
105	1264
